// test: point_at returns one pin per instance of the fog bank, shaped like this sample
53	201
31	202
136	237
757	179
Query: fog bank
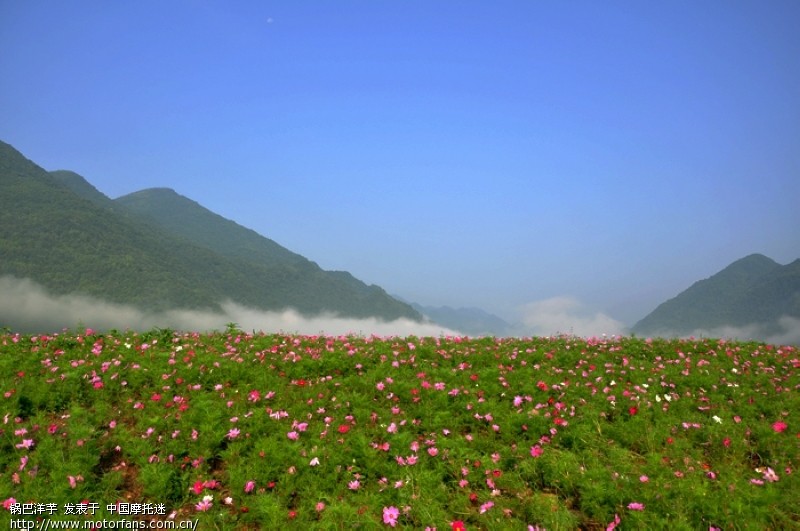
26	306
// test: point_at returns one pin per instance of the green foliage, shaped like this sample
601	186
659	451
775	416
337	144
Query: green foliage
327	433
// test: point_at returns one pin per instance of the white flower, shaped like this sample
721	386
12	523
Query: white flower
314	462
717	419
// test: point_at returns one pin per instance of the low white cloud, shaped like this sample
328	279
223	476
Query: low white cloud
788	332
566	315
26	306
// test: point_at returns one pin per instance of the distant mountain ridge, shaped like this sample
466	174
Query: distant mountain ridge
470	321
156	249
753	291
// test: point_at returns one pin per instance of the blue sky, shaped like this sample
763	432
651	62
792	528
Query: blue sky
581	159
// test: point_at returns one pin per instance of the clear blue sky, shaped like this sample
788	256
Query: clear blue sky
594	158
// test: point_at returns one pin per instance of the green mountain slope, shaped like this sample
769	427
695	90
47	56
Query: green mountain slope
754	290
59	231
188	219
70	245
278	278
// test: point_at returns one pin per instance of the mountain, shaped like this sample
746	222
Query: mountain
471	321
754	291
278	277
158	250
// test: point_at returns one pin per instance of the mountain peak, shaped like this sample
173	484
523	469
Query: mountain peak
752	291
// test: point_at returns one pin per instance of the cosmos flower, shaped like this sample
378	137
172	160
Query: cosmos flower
390	515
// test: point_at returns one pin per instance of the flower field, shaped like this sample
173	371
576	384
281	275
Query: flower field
250	431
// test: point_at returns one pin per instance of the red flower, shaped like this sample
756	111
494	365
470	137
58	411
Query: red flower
632	410
292	514
779	426
344	428
458	525
726	442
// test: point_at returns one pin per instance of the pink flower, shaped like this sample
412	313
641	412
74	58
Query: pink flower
644	479
536	451
26	443
7	503
614	523
636	506
770	475
233	433
433	451
390	515
249	486
486	506
779	426
320	507
392	428
293	435
354	485
204	504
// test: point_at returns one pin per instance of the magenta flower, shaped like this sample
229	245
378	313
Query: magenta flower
779	426
536	451
249	486
390	515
